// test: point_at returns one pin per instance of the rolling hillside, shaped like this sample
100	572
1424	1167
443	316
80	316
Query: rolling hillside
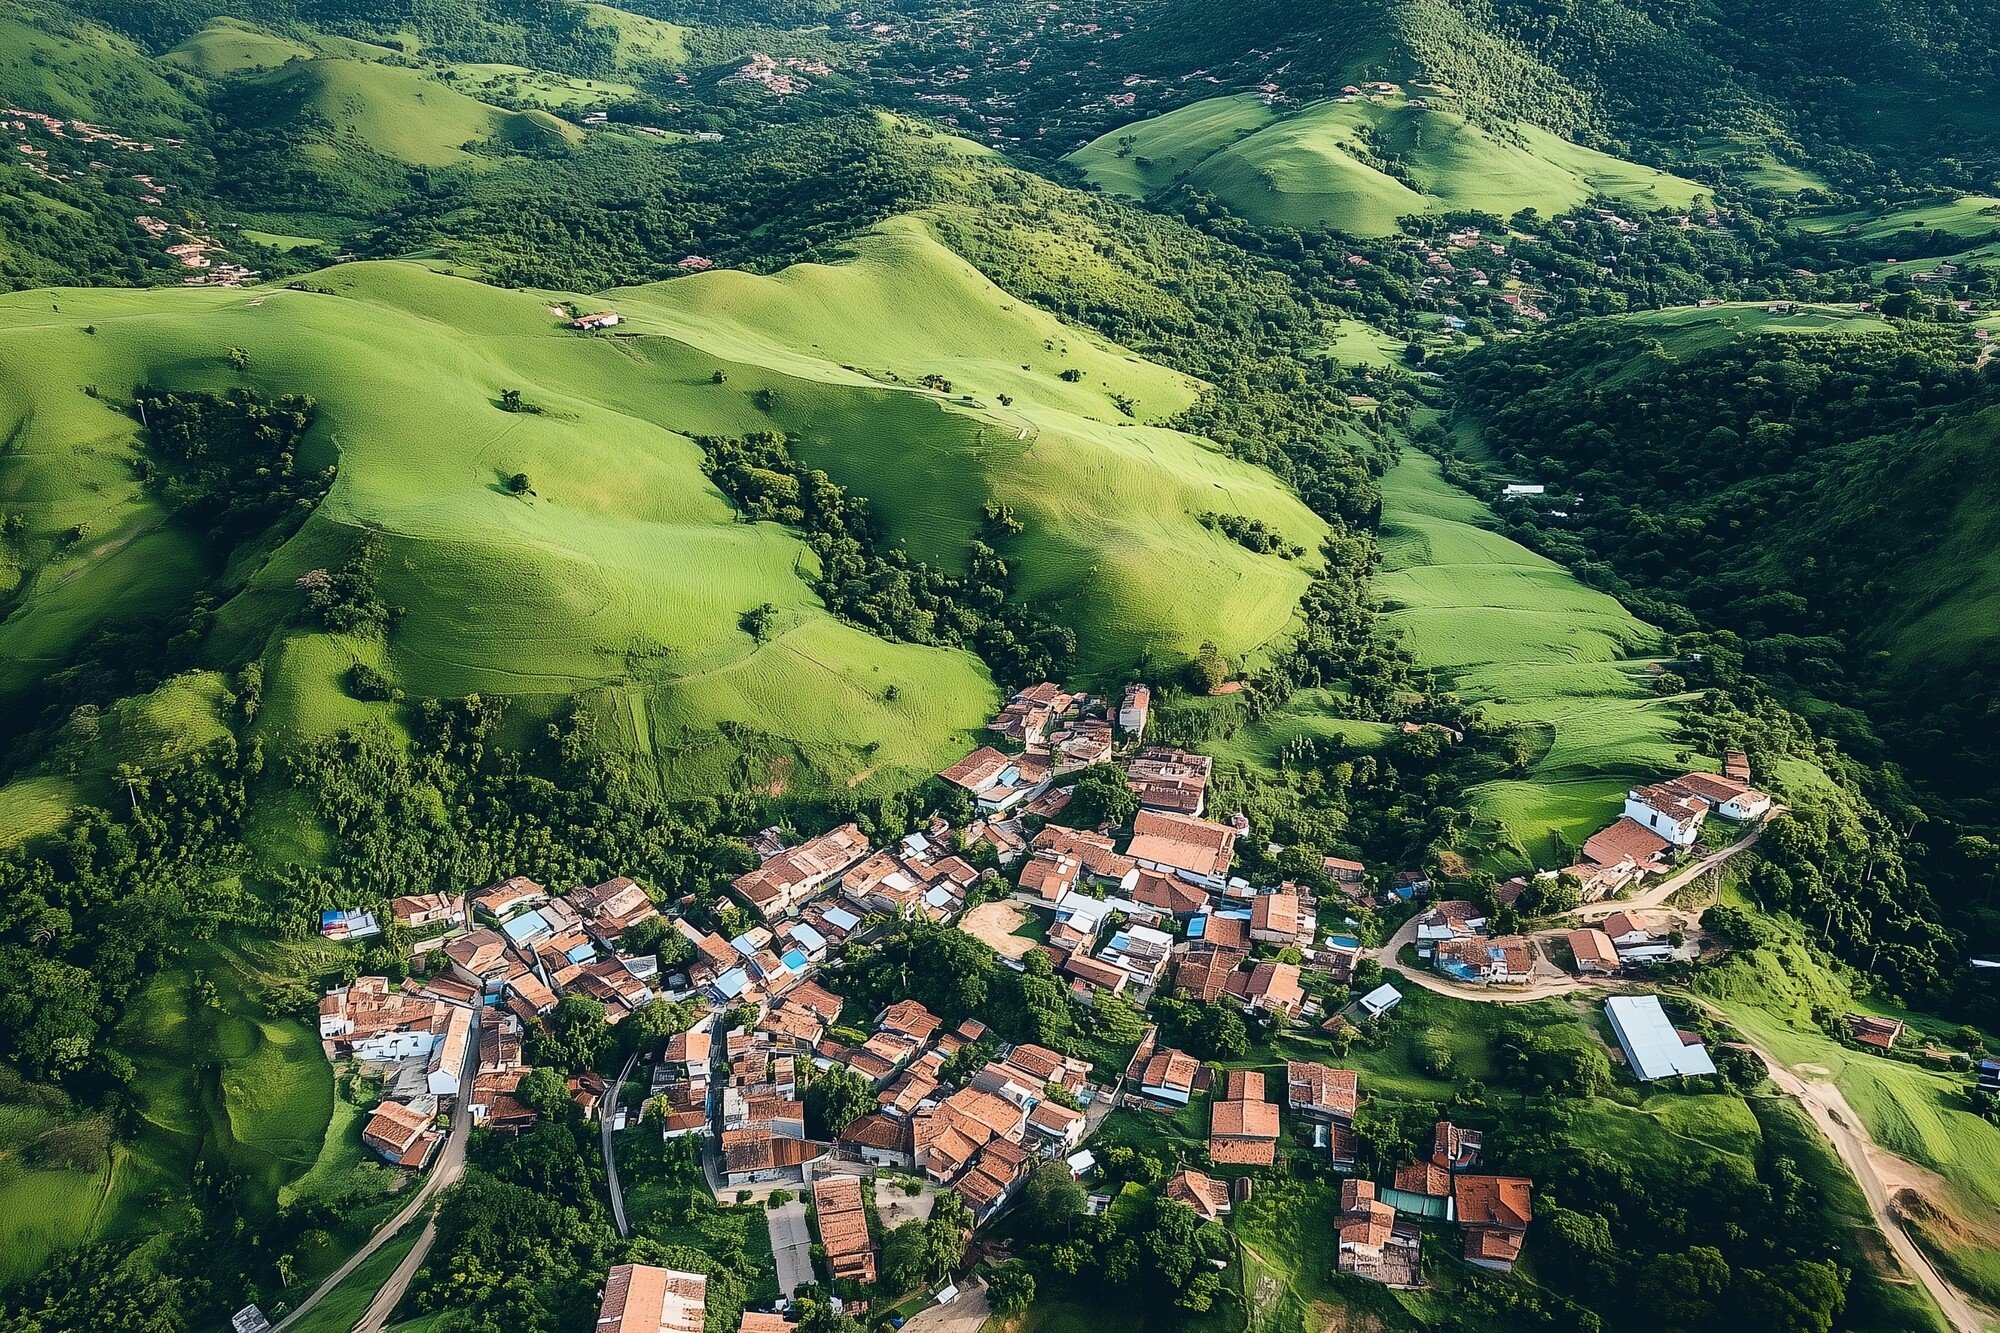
1359	165
1517	633
623	576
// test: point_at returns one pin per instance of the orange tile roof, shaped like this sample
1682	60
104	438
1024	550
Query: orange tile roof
1495	1201
639	1298
1185	843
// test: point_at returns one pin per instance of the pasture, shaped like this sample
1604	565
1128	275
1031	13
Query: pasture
1519	635
1324	165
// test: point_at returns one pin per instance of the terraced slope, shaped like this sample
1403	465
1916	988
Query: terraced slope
1513	631
1359	165
624	576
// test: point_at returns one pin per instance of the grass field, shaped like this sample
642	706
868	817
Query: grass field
1518	634
1353	343
1319	167
229	46
516	83
1972	216
624	575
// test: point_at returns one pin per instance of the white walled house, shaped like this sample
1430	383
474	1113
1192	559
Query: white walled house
1671	813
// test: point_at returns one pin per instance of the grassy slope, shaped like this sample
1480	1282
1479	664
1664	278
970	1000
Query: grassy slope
624	576
1972	216
1918	1113
1307	169
1110	502
399	113
230	46
1516	632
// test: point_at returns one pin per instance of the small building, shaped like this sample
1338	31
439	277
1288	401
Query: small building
1242	1126
1495	1212
1374	1242
1321	1092
1380	1000
1869	1030
1134	709
1194	849
1593	951
1665	809
1653	1048
603	319
1207	1196
639	1298
401	1135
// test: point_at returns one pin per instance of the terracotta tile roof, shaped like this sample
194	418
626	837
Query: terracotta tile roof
1275	913
1194	845
1227	932
481	952
1203	973
1321	1089
977	771
1169	893
1424	1178
911	1018
1243	1120
1094	851
877	1131
1626	840
1170	1069
1053	1117
1208	1196
1097	973
1050	875
1492	1201
1593	951
817	999
639	1298
1242	1085
1271	986
1493	1244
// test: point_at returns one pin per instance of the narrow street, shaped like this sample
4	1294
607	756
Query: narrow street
607	1116
444	1173
791	1245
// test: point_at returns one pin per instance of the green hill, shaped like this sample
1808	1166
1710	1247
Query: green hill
1358	165
229	46
624	575
1519	635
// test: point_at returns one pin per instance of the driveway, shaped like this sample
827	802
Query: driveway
967	1314
791	1246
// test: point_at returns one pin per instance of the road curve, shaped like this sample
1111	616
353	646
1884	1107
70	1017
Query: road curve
444	1173
607	1116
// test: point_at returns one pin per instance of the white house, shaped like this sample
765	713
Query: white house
1517	490
1667	810
1133	709
448	1056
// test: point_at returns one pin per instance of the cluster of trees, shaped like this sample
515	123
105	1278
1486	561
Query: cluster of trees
881	587
228	464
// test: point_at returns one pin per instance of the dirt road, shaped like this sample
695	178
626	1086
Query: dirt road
967	1314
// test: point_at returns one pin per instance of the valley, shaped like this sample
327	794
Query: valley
741	665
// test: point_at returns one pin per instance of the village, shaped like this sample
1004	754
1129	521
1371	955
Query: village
1151	909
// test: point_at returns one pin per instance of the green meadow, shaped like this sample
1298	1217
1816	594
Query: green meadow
622	577
1972	216
1519	635
1324	165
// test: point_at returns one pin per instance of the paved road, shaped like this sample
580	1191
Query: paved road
791	1245
444	1173
1548	980
607	1116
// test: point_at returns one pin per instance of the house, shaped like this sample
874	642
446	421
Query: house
1410	884
1027	717
1627	847
1194	849
1374	1242
1168	1076
1593	951
1343	871
843	1228
1045	1066
1057	1123
880	1141
778	886
639	1298
1987	1077
1167	894
990	1182
1451	920
1268	987
350	924
1494	1211
610	909
603	319
1132	710
754	1155
1380	1000
1517	490
401	1135
1279	918
1667	810
1653	1048
1242	1126
510	895
1732	798
1736	766
1503	961
1203	972
1321	1092
1094	853
1625	931
1207	1196
1091	977
1869	1030
998	781
910	1019
1168	779
1049	877
447	1059
377	1024
416	910
761	1321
